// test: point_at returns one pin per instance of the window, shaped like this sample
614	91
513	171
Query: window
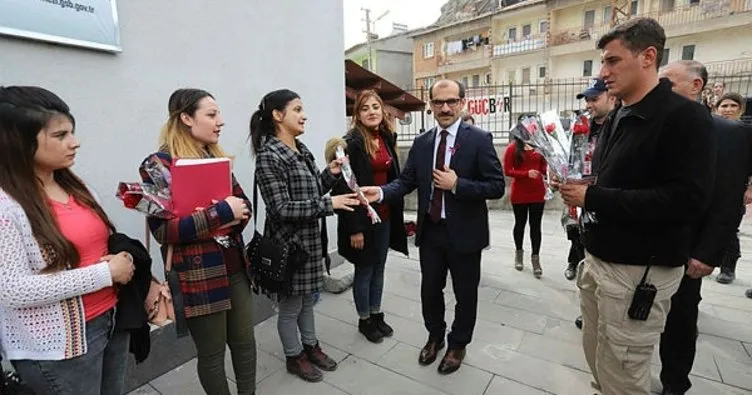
428	82
476	80
428	50
465	81
526	75
666	55
488	79
688	52
543	27
633	7
365	64
511	76
587	68
667	5
512	34
527	31
589	19
541	71
607	14
694	2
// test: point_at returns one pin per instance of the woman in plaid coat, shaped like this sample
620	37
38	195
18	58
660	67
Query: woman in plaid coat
214	298
293	191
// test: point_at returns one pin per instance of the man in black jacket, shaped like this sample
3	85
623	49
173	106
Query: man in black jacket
716	227
598	103
653	173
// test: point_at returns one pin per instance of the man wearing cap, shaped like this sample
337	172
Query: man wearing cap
716	226
598	103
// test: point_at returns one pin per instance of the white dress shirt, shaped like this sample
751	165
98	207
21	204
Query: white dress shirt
451	136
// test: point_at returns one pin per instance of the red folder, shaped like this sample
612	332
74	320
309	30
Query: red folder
196	182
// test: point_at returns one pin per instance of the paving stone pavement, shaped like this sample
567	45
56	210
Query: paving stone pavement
525	342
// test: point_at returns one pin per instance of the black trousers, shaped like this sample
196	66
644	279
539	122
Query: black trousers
437	258
679	338
576	250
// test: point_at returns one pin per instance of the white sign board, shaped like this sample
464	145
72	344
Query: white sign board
82	23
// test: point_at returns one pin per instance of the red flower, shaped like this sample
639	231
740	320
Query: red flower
531	127
131	200
550	128
581	126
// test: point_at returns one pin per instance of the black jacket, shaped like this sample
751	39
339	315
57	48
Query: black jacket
131	314
720	222
654	176
357	221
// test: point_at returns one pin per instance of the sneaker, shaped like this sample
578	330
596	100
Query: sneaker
369	329
318	358
383	327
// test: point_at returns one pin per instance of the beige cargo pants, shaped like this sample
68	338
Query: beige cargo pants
619	349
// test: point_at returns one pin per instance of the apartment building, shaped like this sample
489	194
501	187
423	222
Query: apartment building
556	39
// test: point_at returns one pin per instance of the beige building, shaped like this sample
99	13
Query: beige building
555	39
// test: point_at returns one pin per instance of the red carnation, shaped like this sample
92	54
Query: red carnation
550	128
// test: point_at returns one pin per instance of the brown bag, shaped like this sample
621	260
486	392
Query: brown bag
158	303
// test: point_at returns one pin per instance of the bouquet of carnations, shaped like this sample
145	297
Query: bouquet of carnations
352	183
154	200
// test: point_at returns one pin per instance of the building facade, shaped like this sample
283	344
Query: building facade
391	58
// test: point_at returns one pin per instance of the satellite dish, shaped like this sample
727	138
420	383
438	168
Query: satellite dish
407	121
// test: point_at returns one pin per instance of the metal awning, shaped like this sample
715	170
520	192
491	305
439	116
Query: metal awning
397	101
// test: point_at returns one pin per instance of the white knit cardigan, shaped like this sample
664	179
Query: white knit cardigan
41	315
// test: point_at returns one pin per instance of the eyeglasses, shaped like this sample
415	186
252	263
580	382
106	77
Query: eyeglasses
440	103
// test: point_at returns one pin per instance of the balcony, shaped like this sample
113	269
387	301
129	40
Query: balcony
730	67
466	60
516	47
708	15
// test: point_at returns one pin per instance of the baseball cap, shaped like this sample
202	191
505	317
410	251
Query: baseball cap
596	87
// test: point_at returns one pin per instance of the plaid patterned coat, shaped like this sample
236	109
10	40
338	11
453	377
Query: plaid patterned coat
293	189
197	258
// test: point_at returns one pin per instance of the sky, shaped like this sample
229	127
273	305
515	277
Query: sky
413	13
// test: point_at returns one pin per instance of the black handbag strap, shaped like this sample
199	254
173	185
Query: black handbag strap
255	203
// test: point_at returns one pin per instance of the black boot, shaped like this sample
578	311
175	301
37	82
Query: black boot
368	328
383	327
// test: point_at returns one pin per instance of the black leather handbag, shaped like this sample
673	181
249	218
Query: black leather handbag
10	383
271	265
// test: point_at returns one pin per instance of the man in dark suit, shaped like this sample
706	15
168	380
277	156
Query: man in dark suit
455	168
715	228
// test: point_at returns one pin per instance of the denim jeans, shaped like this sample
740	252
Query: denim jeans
101	371
368	284
296	313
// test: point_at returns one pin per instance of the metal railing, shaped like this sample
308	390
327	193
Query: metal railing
680	15
496	108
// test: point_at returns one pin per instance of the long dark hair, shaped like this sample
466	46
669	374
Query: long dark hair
262	121
518	151
24	112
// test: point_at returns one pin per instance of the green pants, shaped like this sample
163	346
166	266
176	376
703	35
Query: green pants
234	328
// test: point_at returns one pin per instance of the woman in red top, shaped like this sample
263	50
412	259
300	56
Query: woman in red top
527	168
372	149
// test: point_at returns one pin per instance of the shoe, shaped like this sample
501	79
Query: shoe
318	358
430	351
669	391
302	367
749	293
518	260
537	269
383	327
369	329
452	360
578	322
726	276
571	271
